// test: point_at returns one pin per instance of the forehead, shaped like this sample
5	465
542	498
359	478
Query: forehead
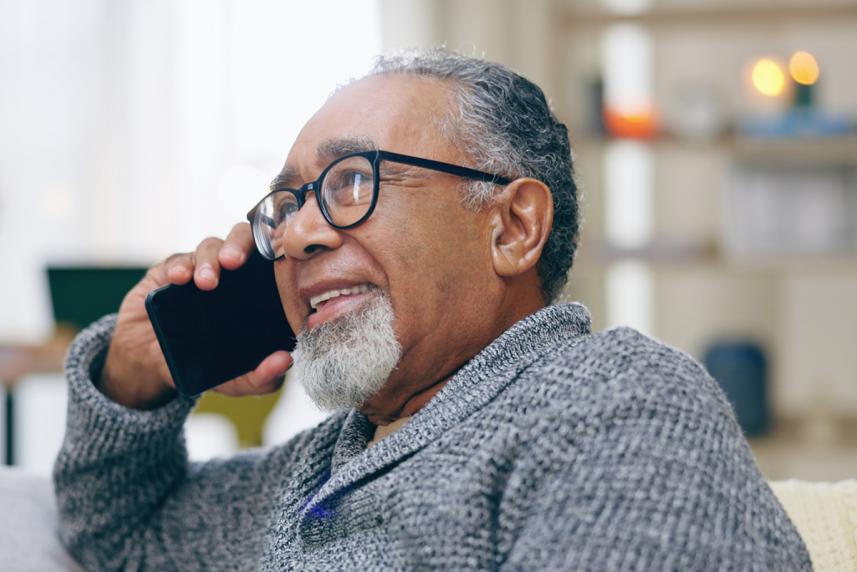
392	112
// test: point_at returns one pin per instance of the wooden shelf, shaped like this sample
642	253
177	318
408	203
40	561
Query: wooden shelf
747	14
665	252
657	251
839	150
834	150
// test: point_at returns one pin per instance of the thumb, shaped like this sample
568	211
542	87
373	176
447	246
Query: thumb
266	378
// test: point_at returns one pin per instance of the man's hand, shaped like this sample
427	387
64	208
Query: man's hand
135	373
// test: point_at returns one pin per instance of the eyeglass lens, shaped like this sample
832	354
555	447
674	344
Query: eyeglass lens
345	195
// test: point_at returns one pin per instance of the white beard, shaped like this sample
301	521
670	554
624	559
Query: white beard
344	362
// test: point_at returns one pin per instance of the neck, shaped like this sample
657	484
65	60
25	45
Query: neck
411	406
515	307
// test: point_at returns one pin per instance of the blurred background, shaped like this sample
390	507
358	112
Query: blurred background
715	144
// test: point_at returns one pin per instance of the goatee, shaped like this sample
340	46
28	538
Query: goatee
344	362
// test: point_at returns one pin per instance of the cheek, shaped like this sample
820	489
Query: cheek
432	252
436	262
288	294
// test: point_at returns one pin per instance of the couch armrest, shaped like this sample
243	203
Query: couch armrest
28	529
825	515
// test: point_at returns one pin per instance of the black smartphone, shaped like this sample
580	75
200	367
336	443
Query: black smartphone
210	337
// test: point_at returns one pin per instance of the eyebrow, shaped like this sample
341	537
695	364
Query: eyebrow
337	147
327	151
283	178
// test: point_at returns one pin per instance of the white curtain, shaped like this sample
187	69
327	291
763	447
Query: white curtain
131	129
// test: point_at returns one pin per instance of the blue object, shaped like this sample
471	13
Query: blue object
800	122
741	369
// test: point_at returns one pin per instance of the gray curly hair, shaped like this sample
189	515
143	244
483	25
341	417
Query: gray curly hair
505	126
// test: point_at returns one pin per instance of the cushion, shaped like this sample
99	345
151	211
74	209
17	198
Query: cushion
825	515
28	527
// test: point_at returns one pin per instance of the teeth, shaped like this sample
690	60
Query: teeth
316	300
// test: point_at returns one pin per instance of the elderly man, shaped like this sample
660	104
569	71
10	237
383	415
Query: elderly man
424	221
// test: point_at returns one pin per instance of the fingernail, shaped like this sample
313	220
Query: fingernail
206	272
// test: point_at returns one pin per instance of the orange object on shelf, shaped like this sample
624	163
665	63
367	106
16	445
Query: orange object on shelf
637	125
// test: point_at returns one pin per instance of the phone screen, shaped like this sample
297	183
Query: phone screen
210	337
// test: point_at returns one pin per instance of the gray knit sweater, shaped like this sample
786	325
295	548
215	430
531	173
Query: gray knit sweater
553	449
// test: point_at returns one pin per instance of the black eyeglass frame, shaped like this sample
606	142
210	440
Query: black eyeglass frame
374	157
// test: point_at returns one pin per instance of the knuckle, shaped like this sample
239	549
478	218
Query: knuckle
238	386
210	242
224	389
155	273
174	258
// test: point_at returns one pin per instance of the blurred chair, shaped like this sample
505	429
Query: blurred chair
246	414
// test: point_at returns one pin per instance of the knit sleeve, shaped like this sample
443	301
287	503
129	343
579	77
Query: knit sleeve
642	468
128	498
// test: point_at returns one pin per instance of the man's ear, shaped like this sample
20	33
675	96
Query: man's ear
521	221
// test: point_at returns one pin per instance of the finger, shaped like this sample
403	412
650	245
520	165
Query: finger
274	367
245	385
266	378
206	266
178	268
237	246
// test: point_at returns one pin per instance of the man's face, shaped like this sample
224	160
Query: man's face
421	248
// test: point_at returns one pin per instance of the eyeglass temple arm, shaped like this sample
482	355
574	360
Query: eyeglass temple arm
445	167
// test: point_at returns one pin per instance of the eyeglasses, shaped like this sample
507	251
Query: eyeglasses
346	193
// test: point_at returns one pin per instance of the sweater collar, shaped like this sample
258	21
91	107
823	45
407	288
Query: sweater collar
474	385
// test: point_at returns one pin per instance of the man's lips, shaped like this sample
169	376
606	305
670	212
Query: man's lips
338	306
318	299
331	298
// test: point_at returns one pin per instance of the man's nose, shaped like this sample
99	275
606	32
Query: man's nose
307	232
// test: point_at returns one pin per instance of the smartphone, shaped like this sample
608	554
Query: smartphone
210	337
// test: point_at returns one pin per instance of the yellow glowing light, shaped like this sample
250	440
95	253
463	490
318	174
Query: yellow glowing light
768	77
803	68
